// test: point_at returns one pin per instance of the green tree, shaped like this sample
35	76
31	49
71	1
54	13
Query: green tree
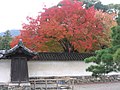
103	63
96	3
0	42
113	8
116	58
5	40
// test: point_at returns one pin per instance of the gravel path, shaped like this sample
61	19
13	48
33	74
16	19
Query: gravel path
103	86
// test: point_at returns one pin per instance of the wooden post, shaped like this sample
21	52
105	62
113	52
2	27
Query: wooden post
46	84
34	85
73	84
57	83
69	83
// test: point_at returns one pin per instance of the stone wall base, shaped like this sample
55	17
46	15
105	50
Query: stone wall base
91	79
21	86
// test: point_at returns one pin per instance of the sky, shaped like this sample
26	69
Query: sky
14	12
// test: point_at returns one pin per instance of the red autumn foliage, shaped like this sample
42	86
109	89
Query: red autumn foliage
68	27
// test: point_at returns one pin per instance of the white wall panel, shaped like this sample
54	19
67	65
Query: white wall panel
57	68
5	71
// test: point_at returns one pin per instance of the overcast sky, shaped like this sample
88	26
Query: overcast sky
14	12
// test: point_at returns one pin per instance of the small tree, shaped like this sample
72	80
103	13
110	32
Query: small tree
103	63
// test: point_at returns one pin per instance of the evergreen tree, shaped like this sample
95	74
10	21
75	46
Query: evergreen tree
5	40
0	42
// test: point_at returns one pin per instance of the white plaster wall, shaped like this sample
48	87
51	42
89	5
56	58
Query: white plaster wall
5	71
57	68
47	68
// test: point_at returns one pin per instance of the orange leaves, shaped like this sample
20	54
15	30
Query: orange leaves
107	21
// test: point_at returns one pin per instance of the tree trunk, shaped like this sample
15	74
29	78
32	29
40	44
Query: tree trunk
67	46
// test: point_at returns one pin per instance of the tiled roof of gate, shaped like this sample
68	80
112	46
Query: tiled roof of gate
57	56
17	50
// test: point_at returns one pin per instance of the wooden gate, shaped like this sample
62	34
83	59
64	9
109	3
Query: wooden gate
19	70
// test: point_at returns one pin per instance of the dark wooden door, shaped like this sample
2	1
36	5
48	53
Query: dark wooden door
19	70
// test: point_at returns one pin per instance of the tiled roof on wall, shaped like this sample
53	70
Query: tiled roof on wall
45	56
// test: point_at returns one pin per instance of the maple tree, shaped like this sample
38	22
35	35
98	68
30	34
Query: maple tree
69	28
108	21
107	60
